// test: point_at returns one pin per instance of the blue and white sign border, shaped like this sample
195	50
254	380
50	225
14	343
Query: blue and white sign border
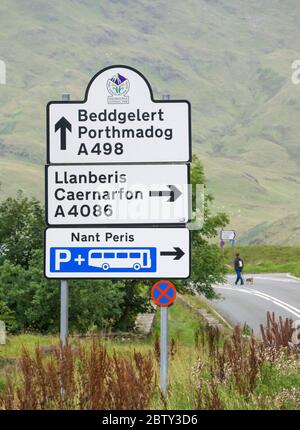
169	252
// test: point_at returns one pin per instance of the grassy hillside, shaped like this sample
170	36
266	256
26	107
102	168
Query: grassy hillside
260	259
232	59
286	231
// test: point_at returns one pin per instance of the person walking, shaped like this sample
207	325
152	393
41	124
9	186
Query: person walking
238	267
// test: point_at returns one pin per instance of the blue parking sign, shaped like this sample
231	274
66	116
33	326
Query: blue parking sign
109	259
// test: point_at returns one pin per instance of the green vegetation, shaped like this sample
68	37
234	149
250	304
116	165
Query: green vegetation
29	302
21	229
182	327
260	259
210	370
207	262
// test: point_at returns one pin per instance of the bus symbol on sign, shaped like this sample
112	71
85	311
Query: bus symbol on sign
134	260
84	259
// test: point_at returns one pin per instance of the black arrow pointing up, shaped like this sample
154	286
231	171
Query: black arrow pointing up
63	124
173	193
178	253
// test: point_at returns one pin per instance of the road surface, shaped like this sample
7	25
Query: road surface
270	292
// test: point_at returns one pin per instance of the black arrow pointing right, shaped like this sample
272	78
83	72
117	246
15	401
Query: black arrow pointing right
178	253
63	124
173	193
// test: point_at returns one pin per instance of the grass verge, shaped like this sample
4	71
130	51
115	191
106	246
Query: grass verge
208	369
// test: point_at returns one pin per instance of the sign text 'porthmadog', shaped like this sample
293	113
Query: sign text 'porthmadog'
118	122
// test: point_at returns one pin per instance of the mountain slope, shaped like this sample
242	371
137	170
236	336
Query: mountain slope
285	231
232	59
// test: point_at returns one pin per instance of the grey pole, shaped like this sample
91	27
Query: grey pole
164	349
64	312
64	292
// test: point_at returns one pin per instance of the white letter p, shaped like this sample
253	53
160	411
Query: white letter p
61	256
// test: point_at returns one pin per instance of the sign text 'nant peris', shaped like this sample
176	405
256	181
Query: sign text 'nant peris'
118	122
117	252
118	170
108	194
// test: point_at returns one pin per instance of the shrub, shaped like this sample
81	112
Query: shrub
277	333
80	378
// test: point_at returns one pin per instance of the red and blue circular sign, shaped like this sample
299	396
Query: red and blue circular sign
163	293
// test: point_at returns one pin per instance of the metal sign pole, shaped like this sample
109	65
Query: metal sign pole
64	293
164	311
64	305
163	294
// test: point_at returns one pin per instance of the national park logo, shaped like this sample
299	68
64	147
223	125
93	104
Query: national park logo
118	86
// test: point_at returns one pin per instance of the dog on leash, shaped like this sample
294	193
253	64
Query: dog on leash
249	281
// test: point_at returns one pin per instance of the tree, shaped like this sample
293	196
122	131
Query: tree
34	301
8	317
207	260
21	228
15	292
136	300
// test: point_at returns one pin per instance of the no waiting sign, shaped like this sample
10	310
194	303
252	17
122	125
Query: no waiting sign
118	122
163	293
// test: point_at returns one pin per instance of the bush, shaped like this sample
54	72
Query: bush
8	317
21	228
35	301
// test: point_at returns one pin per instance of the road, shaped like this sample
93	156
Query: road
270	292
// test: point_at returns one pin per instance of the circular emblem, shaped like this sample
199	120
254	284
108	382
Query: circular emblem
118	85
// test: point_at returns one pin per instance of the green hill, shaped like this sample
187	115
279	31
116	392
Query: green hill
285	231
232	59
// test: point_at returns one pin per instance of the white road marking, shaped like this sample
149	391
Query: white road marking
269	278
291	309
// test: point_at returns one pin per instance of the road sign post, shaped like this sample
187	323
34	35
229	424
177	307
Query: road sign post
64	291
117	198
227	235
64	312
164	316
163	294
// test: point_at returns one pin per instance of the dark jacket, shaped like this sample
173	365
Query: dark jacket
237	263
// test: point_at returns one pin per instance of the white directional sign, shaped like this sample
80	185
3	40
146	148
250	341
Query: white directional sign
227	234
116	160
117	252
110	194
118	122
